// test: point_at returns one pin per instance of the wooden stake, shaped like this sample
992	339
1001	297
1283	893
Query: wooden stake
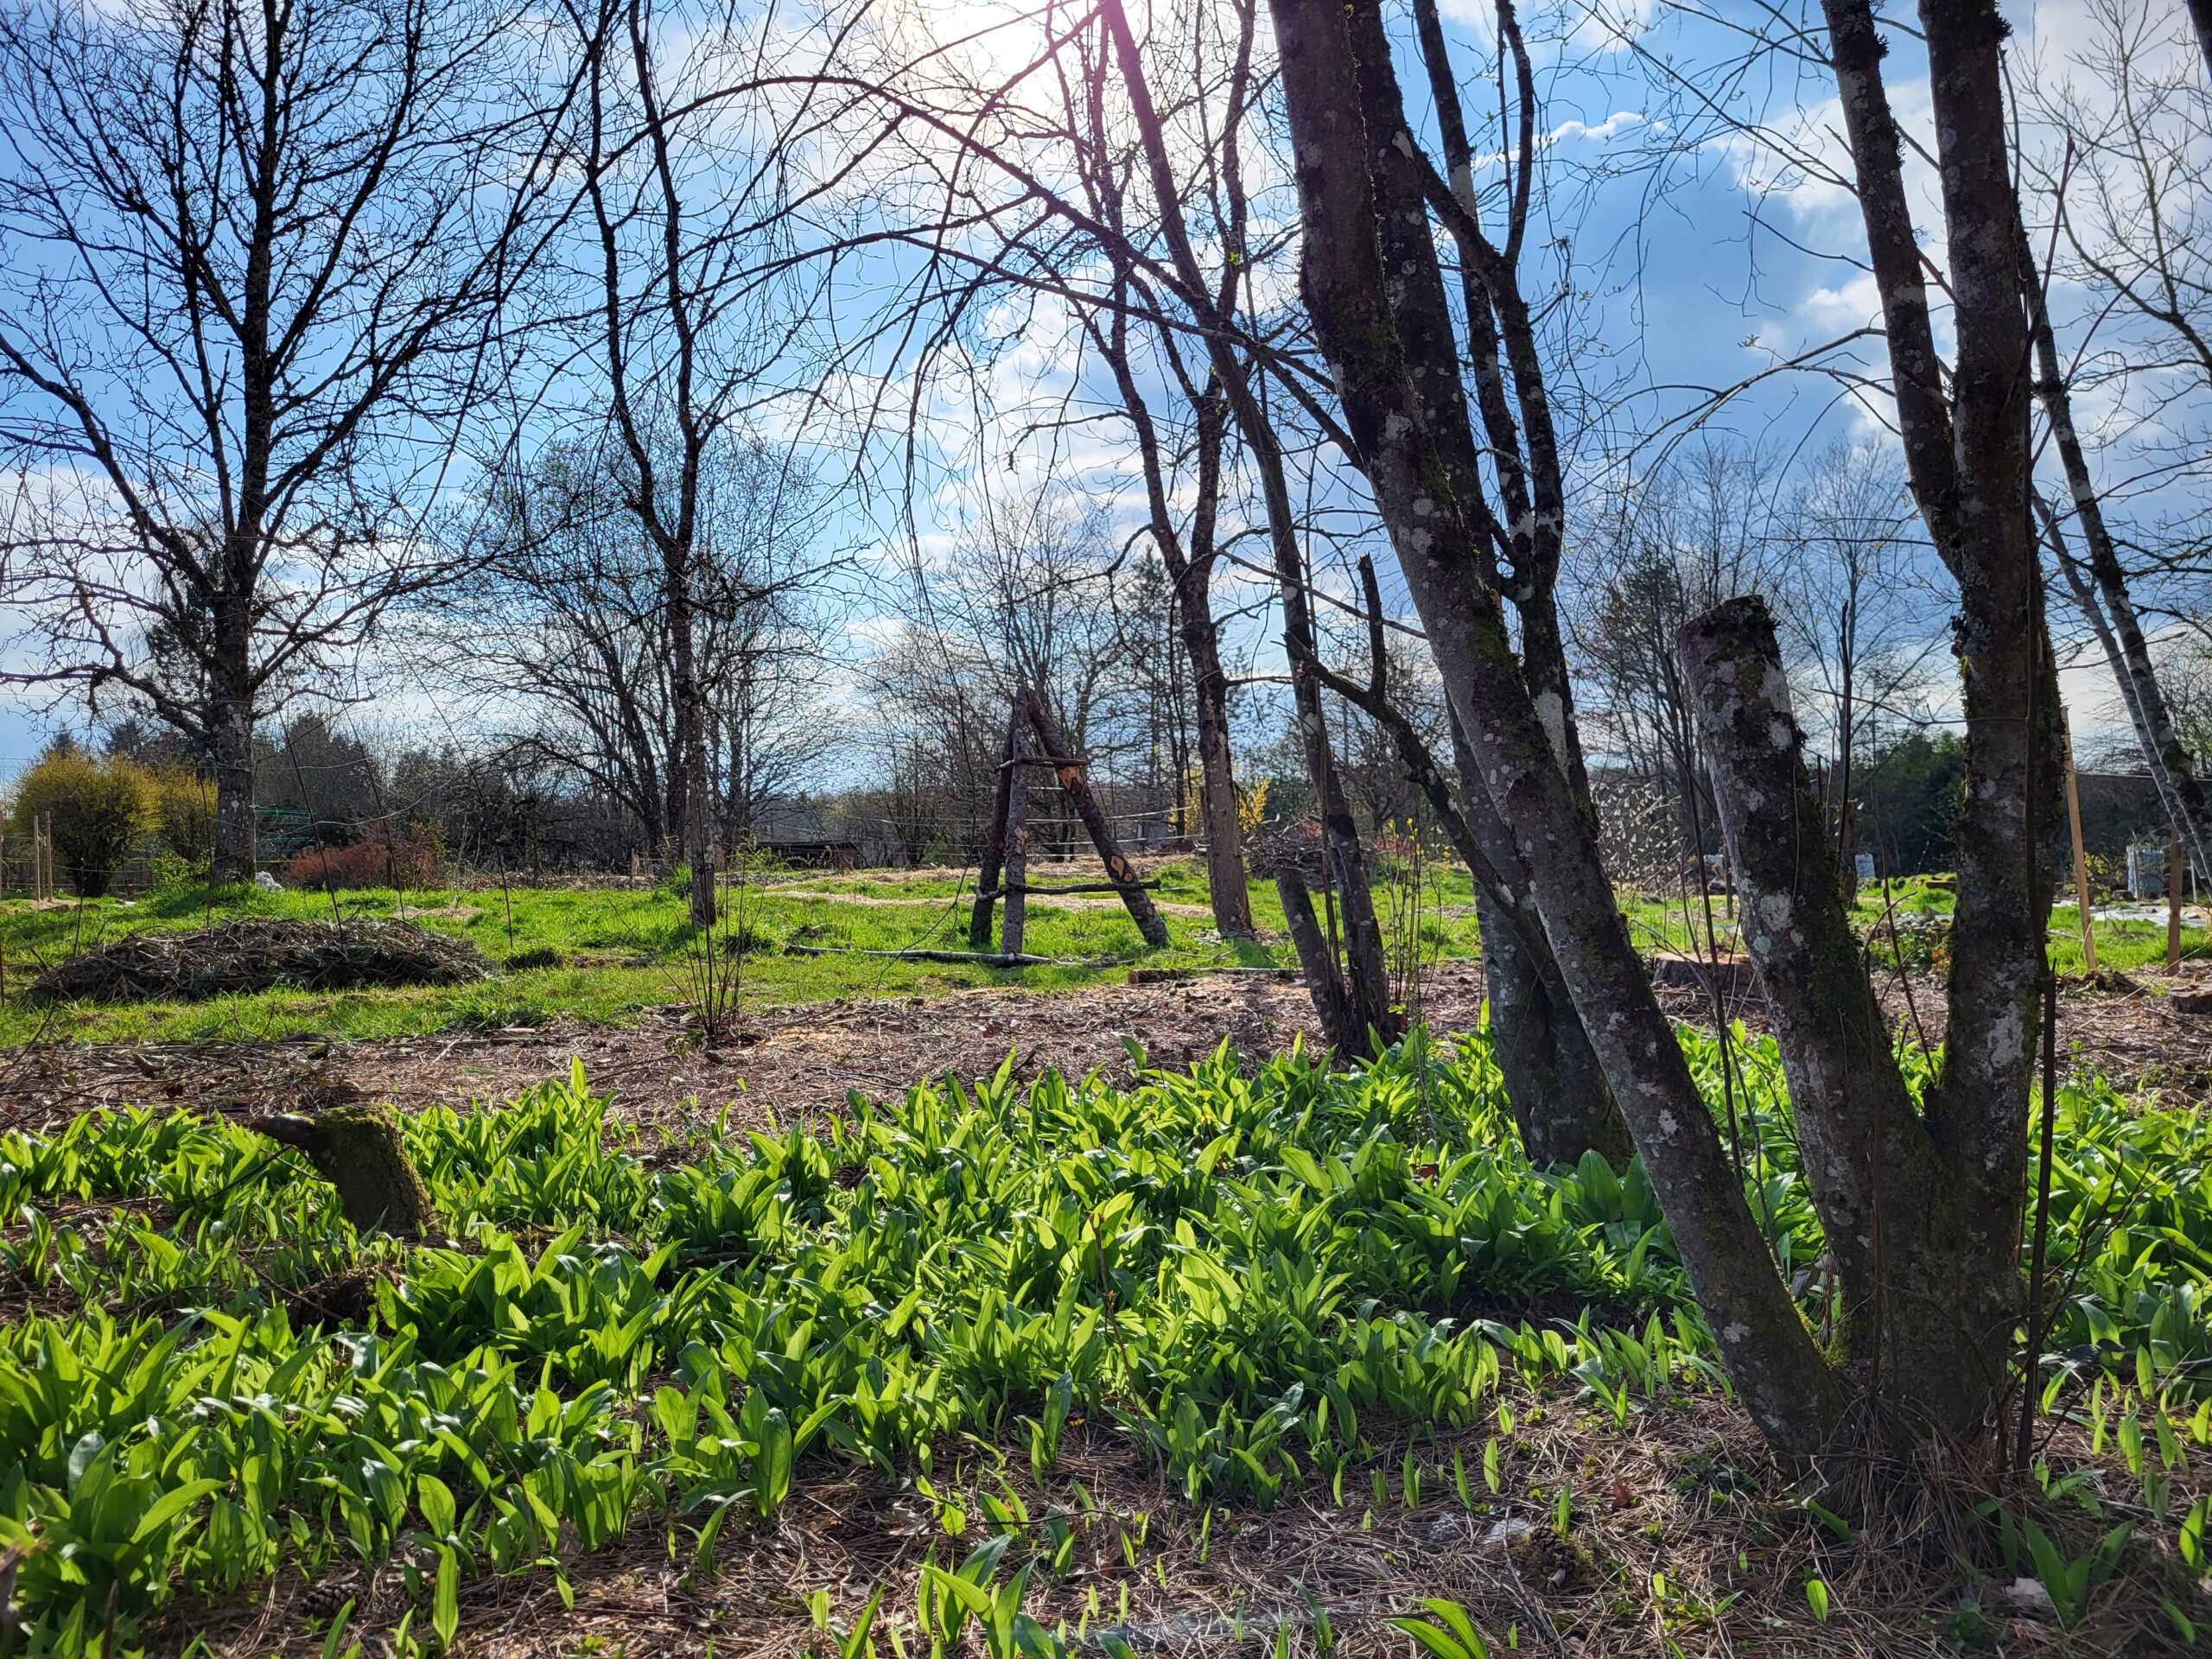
1017	849
2080	859
2176	872
987	875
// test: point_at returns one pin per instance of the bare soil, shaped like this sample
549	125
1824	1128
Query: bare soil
791	1063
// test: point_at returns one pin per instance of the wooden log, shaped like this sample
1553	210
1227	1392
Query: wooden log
1730	972
980	958
1078	788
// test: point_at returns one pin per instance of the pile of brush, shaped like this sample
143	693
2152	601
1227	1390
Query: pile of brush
241	957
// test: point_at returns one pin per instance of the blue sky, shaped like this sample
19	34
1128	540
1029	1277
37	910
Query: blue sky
1701	260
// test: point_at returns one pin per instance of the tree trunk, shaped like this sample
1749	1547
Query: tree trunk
1340	1026
1192	572
2112	613
1369	975
1016	858
687	759
992	861
1924	1340
358	1149
231	719
1968	455
1225	878
1561	1102
1778	1371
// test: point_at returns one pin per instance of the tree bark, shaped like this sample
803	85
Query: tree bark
688	754
994	844
1779	1372
1227	887
1923	1339
1969	460
1340	1026
358	1149
233	721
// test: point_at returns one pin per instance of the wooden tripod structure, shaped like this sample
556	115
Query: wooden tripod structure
1005	872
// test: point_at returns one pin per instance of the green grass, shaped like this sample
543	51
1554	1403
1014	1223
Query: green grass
623	950
1919	909
1281	1287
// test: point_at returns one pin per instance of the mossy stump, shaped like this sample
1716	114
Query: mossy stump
358	1150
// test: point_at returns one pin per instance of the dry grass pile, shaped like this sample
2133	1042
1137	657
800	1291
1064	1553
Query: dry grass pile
243	956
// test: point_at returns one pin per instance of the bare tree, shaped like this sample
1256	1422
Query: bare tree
2127	205
1672	546
1860	620
257	256
1130	319
565	636
683	203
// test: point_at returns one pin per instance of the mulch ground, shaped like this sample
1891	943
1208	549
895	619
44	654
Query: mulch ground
785	1064
791	1063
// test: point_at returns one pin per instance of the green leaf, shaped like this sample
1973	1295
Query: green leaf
1817	1594
434	1498
172	1503
445	1600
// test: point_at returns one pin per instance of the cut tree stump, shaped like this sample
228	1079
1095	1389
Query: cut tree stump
358	1150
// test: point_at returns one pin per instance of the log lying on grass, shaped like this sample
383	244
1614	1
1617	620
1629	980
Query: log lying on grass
358	1150
978	959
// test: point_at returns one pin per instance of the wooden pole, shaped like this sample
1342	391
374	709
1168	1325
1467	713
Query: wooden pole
2080	859
2176	872
1078	788
987	875
1017	846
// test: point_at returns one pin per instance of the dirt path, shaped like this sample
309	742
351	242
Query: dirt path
802	1059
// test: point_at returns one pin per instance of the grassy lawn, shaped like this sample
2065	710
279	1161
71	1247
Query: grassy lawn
622	950
1920	908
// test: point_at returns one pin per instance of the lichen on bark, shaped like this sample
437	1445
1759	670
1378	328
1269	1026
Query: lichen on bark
358	1149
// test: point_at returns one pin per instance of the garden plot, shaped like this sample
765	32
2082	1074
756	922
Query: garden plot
1223	1358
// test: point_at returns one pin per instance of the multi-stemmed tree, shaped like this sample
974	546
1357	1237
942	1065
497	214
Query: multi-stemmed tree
1921	1199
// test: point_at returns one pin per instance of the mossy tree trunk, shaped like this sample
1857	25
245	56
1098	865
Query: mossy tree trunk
358	1149
1895	1212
